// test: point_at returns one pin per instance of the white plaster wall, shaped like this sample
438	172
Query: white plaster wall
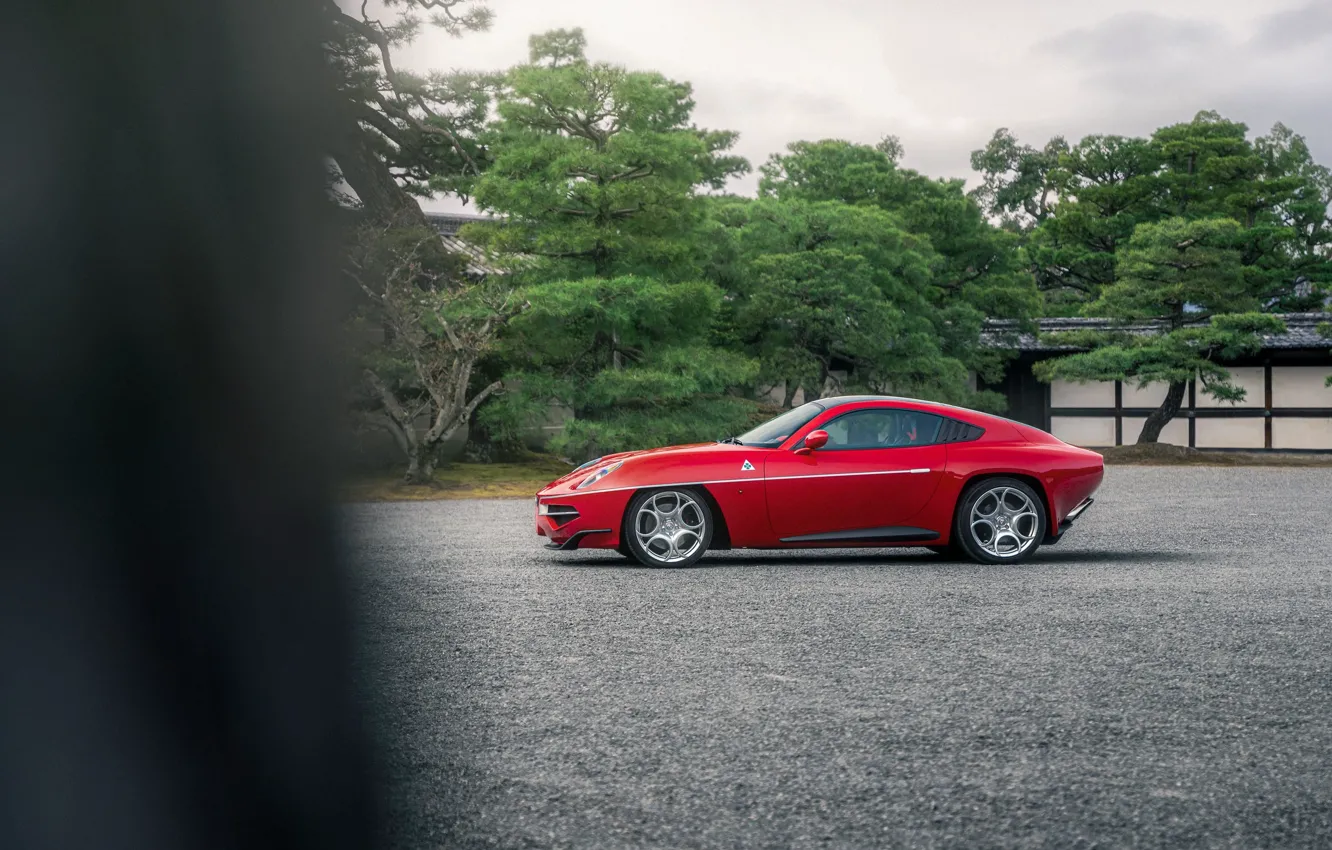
1248	377
1176	431
1151	396
1069	394
1301	433
1246	433
1300	386
1098	431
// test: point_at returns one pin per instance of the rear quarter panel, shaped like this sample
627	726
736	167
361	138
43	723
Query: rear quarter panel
1066	475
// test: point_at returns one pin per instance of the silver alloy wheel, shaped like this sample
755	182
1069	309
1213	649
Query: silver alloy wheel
669	526
1004	522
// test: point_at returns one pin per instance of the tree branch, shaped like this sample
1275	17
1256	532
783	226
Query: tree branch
374	32
393	407
444	429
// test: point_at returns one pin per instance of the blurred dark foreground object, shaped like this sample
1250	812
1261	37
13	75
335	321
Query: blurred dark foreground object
175	657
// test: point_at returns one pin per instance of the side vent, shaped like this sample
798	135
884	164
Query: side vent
561	515
953	431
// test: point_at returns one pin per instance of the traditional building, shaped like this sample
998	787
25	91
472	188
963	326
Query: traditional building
448	225
1287	405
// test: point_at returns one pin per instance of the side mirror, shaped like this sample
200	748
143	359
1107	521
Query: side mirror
814	440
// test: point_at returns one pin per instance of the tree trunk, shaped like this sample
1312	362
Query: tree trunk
816	392
382	198
601	269
788	393
420	465
1151	429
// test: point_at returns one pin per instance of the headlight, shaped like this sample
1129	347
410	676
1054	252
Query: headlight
598	475
593	462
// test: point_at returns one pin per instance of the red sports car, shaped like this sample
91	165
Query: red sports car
837	472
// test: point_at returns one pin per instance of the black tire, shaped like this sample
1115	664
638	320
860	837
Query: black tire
992	542
690	527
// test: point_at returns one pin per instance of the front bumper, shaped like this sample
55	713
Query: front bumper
576	538
589	520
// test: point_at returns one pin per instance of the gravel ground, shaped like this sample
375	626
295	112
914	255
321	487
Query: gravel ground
1159	678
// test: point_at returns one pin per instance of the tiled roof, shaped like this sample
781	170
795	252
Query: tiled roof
1301	331
448	224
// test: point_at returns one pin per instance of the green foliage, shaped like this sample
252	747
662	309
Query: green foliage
1188	276
401	134
1179	270
673	385
598	174
965	269
1095	195
1302	213
625	429
975	263
594	167
1016	182
556	48
434	325
1107	186
818	286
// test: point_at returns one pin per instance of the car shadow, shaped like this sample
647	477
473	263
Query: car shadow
814	557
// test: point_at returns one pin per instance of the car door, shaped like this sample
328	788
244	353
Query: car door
878	470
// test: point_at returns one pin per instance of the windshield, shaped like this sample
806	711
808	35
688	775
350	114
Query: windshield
774	431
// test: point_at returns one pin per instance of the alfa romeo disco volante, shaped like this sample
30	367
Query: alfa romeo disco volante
837	472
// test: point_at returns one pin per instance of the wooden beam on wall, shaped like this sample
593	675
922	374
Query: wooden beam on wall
1267	405
1119	413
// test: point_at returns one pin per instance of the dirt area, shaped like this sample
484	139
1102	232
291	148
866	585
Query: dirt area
1165	454
462	481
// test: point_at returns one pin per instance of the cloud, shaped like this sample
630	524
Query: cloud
1295	28
943	75
1137	71
1135	38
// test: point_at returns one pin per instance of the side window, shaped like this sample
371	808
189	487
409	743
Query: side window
882	428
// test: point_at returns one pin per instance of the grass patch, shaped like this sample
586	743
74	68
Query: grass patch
462	481
1164	454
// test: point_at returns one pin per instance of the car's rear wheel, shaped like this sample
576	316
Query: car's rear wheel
1000	521
668	528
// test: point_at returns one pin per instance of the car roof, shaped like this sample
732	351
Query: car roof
965	414
990	423
838	401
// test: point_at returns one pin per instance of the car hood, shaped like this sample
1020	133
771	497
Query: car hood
619	457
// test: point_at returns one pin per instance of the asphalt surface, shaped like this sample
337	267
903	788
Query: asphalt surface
1162	677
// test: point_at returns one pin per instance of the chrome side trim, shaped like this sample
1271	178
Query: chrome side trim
755	478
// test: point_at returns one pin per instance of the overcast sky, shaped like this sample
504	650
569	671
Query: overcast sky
943	74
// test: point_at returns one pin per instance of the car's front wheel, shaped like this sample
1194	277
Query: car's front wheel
1000	521
667	528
